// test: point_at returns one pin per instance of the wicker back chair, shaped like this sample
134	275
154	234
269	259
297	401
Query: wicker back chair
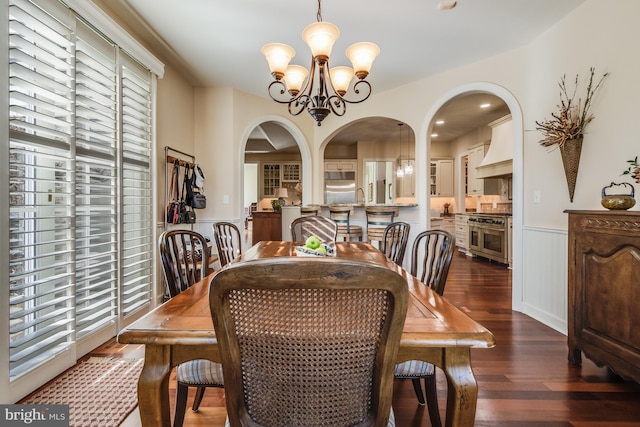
308	341
321	226
430	260
394	241
228	241
185	260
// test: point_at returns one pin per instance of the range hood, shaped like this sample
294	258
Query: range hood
498	162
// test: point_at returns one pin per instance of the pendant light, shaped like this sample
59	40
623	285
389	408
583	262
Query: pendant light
408	170
400	169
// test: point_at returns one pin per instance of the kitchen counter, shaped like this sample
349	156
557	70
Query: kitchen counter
362	205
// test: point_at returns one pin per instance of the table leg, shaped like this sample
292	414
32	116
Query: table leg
462	391
153	387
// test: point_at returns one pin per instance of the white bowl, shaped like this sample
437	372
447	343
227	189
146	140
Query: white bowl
303	251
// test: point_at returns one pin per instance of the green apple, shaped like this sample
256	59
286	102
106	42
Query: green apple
313	242
321	249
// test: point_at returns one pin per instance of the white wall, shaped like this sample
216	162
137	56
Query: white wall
597	34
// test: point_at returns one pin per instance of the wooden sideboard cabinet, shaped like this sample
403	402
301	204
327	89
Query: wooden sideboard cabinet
604	289
267	225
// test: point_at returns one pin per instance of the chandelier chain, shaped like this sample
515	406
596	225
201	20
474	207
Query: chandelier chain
319	14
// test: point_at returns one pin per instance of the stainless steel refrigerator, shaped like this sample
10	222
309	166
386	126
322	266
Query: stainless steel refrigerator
339	187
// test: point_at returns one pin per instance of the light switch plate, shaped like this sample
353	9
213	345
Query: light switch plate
536	196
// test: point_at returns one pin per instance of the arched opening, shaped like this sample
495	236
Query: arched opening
513	198
274	156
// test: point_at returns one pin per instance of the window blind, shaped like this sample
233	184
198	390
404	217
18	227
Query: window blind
41	201
96	182
137	215
80	190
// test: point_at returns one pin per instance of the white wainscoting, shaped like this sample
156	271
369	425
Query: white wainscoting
545	276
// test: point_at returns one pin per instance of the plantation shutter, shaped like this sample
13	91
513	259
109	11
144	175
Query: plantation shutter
96	182
80	190
41	190
137	203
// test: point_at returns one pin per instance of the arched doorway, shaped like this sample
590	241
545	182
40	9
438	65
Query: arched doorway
275	147
423	151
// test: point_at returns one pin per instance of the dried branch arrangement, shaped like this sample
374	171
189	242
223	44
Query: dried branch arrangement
572	117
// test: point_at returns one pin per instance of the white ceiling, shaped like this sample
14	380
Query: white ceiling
218	42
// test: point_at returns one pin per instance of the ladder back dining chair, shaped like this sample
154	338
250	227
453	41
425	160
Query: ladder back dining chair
314	348
185	261
394	241
378	217
430	261
228	241
309	210
303	227
342	216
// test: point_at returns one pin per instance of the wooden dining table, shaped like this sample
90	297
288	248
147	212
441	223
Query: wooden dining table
181	329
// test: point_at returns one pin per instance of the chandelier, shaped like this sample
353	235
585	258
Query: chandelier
320	90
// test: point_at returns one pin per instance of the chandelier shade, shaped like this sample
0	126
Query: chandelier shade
362	56
278	57
294	78
320	90
320	37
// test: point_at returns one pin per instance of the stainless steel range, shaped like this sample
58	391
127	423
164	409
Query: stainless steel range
488	236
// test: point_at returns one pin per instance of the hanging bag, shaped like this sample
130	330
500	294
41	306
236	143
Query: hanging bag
198	200
187	215
173	207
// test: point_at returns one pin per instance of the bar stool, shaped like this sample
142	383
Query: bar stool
341	215
309	210
378	217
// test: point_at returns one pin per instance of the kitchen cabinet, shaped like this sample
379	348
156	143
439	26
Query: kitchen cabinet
267	225
475	185
603	300
270	179
274	174
340	165
441	178
406	184
444	223
462	233
291	172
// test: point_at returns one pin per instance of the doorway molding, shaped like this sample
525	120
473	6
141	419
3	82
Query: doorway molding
303	146
423	145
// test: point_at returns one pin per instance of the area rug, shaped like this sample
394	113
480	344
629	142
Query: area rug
100	392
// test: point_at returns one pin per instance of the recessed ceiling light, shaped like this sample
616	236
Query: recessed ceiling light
439	122
485	105
446	5
434	135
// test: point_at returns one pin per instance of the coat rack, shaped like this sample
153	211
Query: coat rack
186	160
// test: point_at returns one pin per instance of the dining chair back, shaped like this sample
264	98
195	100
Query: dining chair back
309	210
303	227
185	261
431	256
228	241
378	217
308	341
342	216
394	241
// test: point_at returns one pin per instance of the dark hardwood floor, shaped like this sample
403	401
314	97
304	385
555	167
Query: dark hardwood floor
524	381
